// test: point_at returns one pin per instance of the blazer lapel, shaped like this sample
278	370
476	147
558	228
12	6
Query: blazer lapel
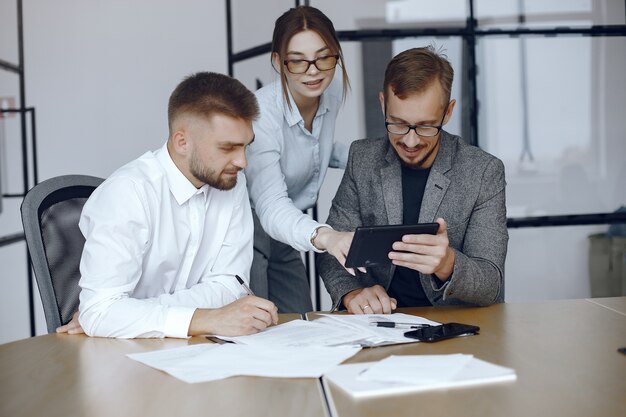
437	183
391	181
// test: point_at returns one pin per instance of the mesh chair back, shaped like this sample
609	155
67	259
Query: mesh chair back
50	214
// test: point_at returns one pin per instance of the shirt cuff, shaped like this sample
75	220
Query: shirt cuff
177	321
314	234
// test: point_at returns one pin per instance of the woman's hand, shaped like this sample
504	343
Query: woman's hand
336	243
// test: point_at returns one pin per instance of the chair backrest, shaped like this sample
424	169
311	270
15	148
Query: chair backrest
50	214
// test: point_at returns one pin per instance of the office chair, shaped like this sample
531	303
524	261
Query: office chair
50	214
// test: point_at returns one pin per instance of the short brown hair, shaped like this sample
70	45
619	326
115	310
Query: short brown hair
413	70
207	93
299	19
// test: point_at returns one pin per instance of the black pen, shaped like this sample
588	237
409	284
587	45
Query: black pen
397	325
243	284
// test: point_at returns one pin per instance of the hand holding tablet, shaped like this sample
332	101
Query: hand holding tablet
372	244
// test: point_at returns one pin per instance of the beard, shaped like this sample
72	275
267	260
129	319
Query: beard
419	163
209	176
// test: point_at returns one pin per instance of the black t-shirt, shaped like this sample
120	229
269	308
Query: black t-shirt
405	286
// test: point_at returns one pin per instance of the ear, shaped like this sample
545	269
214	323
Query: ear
381	98
449	112
180	142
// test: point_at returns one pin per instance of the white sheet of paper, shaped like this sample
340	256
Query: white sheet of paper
346	377
334	330
375	336
417	369
209	362
299	333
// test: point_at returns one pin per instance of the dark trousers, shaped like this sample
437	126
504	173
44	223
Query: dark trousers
278	273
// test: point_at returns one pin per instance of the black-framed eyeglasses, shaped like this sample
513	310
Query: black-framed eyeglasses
421	130
300	66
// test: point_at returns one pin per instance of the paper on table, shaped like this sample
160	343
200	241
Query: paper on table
371	335
417	369
209	362
299	333
346	377
334	330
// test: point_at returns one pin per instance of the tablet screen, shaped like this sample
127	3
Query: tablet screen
372	244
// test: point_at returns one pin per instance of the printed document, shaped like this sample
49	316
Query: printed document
299	333
335	330
372	335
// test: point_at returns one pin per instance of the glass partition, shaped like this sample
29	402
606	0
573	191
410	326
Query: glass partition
552	110
548	13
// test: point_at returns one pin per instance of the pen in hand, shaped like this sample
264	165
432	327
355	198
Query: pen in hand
396	325
272	311
243	284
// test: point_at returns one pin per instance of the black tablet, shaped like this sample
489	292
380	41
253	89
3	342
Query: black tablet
371	244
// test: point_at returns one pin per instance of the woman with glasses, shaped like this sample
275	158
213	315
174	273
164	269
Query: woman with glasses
291	152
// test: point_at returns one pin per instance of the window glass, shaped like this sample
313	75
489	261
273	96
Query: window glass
552	110
377	14
548	13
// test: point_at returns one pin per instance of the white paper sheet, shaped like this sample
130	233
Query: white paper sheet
299	333
371	335
209	362
334	330
417	369
347	378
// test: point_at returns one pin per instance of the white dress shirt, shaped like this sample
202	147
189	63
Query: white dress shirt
287	163
157	248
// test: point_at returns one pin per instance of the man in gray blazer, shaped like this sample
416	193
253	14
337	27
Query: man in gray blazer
420	173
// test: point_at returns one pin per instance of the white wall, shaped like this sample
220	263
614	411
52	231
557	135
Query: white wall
99	75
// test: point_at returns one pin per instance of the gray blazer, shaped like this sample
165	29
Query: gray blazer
466	187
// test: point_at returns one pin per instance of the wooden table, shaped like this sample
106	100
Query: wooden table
62	375
564	352
617	304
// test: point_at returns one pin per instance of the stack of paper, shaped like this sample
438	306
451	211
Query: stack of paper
298	333
335	330
403	374
374	336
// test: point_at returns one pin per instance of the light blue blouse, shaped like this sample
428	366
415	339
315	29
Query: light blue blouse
287	163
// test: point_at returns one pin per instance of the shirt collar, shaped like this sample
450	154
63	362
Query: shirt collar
182	189
293	117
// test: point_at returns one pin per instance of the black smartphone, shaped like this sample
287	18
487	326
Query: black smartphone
441	332
371	244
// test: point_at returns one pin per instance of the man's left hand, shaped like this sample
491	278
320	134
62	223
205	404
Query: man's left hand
428	254
73	327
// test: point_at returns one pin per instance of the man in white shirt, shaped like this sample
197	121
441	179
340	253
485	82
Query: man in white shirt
168	234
